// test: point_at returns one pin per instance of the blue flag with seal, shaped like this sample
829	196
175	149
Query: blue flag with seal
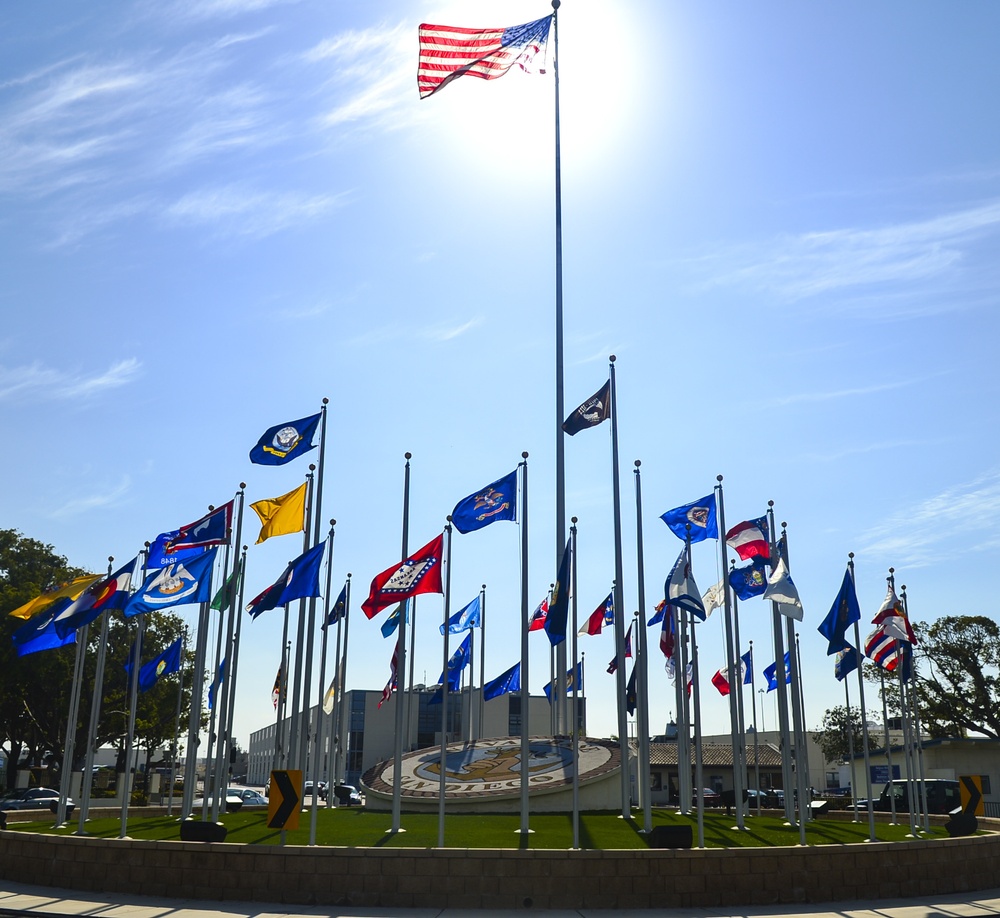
497	501
771	673
339	610
555	621
175	585
750	580
284	442
459	660
299	580
844	612
509	681
700	514
573	677
464	619
163	665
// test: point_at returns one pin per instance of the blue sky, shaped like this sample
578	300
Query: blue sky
782	218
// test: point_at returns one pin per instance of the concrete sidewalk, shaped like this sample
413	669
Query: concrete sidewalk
16	899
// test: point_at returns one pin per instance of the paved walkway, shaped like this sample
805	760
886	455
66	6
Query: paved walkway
16	899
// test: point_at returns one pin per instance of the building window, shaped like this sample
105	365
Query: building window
514	715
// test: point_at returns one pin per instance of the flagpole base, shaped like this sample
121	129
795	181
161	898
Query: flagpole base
397	831
524	831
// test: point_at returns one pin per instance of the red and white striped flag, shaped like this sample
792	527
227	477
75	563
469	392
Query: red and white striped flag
448	52
391	684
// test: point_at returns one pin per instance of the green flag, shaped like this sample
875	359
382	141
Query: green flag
227	592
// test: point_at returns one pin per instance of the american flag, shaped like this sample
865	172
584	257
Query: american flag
448	52
391	684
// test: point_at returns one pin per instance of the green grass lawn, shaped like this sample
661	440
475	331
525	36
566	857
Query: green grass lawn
360	828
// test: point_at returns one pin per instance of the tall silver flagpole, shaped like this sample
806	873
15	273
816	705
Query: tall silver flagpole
642	665
864	719
576	696
194	714
685	788
338	674
781	689
397	777
343	714
482	661
559	685
130	738
740	705
321	716
915	707
95	715
82	635
443	776
237	605
756	743
523	693
801	752
732	662
295	728
177	724
619	600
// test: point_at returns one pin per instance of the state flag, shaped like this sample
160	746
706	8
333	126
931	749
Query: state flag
681	589
465	618
750	539
844	612
497	501
71	590
175	585
771	673
845	663
700	515
613	665
167	662
299	580
420	573
891	618
537	620
555	621
781	590
603	615
573	678
210	529
749	580
103	596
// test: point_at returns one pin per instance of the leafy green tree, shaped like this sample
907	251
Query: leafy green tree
34	690
838	725
958	673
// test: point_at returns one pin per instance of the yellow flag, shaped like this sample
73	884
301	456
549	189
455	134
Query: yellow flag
282	515
71	590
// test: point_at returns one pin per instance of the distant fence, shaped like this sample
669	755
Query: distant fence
992	809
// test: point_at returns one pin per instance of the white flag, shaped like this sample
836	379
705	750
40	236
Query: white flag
781	590
714	598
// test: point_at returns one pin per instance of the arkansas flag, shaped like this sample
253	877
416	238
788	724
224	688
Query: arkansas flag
420	573
749	539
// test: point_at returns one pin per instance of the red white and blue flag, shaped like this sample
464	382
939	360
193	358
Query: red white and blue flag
537	620
211	529
749	539
613	665
420	573
891	618
448	52
603	615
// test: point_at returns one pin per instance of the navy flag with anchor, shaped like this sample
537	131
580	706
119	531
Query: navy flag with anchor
497	501
284	442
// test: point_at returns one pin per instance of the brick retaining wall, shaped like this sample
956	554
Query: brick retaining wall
478	878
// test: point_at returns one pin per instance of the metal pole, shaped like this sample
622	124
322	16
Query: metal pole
523	695
443	774
642	664
397	782
864	718
576	696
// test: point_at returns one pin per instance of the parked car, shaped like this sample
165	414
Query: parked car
347	795
307	789
943	796
250	797
234	803
711	797
34	798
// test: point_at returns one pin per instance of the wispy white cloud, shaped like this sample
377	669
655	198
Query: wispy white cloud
862	449
214	9
831	395
97	501
960	519
233	210
39	381
450	332
371	74
908	253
